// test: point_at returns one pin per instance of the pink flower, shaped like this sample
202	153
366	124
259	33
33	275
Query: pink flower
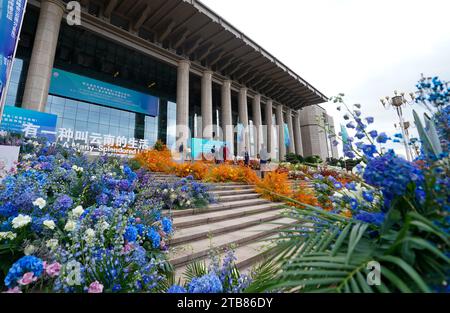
95	287
27	279
127	248
53	269
44	264
13	290
138	219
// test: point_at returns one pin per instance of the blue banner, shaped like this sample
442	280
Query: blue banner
287	138
30	123
83	88
11	14
200	145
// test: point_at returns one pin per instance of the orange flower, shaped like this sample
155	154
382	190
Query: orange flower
273	185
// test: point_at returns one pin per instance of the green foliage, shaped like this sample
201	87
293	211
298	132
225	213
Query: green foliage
332	254
294	158
313	159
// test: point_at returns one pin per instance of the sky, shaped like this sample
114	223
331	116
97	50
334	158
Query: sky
363	48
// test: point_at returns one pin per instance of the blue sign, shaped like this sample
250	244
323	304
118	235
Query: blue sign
11	15
287	138
201	146
83	88
30	123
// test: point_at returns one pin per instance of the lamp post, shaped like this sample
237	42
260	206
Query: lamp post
397	102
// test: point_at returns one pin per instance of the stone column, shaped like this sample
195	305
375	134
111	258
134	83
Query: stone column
227	121
43	55
243	118
291	148
269	145
182	128
257	122
298	134
280	123
207	114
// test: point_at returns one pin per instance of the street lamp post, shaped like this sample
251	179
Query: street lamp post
397	102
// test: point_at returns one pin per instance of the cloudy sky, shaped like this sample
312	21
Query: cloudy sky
365	49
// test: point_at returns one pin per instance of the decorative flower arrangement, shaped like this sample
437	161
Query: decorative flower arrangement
394	214
273	186
231	173
221	276
182	194
72	225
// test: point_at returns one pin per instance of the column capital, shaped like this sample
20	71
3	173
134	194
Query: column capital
227	82
184	62
59	3
258	96
208	72
243	89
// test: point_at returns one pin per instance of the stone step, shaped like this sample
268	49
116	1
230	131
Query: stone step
247	256
230	192
230	187
246	196
198	249
183	236
217	207
215	216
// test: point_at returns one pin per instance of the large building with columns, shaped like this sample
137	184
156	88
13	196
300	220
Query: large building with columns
200	77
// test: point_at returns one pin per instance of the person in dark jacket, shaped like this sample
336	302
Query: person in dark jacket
246	157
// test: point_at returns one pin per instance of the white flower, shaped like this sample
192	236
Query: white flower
21	221
188	202
76	168
29	250
70	226
39	202
78	211
104	226
7	235
51	243
50	224
89	235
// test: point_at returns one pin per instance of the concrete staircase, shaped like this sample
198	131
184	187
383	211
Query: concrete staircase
240	218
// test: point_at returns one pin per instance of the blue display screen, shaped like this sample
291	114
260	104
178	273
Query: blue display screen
83	88
30	123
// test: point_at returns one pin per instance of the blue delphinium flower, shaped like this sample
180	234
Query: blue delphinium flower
208	283
376	218
373	133
368	196
392	174
176	289
369	119
382	138
23	265
369	150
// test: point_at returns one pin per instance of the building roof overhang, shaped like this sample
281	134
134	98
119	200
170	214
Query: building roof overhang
193	31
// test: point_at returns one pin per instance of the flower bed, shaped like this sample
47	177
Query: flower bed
72	225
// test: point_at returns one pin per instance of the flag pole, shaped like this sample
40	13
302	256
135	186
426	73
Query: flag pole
10	66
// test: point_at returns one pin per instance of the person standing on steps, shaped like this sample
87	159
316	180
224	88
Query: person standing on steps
246	157
181	151
225	151
263	159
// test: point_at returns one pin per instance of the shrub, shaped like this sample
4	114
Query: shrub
293	158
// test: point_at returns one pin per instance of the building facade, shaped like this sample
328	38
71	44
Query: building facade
162	69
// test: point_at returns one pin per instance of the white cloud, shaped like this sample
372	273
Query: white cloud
366	49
